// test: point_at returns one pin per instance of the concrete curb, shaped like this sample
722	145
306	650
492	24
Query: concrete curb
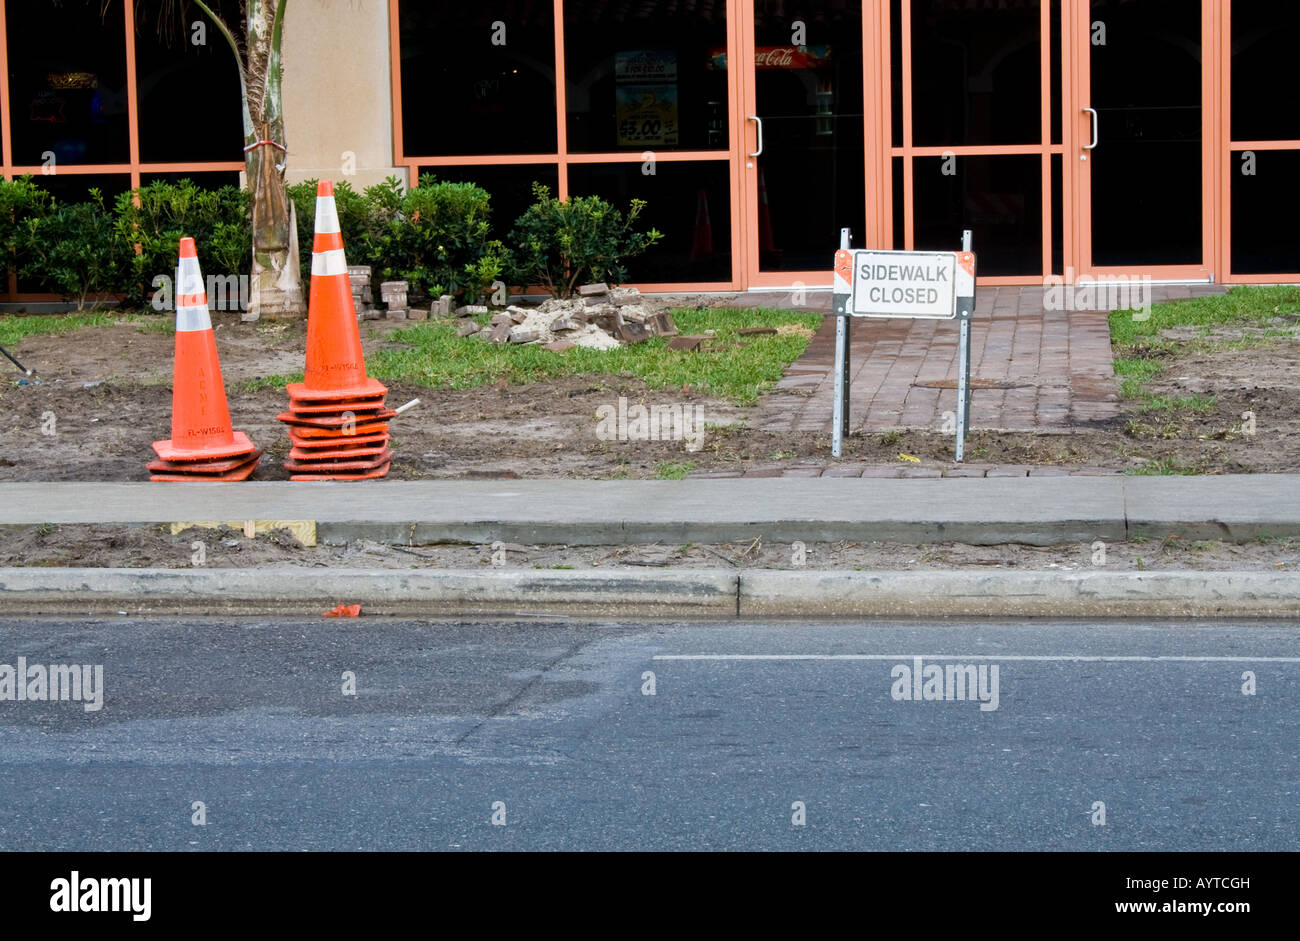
310	591
961	593
700	593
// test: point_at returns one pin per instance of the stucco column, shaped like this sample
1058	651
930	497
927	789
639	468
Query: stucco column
338	93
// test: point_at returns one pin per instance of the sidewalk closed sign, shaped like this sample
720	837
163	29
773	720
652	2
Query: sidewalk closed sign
900	284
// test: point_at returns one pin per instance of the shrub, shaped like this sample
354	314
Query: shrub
218	220
20	201
434	236
560	244
73	249
357	220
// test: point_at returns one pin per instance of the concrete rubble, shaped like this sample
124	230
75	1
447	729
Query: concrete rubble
596	317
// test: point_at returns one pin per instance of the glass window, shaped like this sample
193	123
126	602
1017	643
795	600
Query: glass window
900	232
1264	205
189	96
1058	215
975	74
67	83
477	78
639	77
509	185
210	180
1263	64
688	201
896	71
998	198
75	187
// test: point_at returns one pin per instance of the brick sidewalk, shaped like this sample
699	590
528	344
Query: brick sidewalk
1032	369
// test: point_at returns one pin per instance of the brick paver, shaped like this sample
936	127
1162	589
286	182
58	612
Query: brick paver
1032	369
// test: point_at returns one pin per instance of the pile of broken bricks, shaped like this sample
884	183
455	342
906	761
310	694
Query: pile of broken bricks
597	317
394	296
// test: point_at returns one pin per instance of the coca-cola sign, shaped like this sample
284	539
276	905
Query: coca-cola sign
779	57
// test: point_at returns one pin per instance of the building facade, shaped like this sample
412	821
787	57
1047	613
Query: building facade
1074	137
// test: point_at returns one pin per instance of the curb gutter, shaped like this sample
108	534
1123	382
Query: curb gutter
698	593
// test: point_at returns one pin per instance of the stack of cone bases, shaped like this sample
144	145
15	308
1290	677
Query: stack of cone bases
203	446
338	422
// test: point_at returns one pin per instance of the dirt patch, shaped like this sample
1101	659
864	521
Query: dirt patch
156	547
105	395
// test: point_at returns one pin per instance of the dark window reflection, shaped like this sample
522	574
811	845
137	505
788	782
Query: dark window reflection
509	185
809	97
67	82
645	76
1146	168
1265	203
75	187
189	95
207	180
478	78
688	202
998	198
975	73
1264	36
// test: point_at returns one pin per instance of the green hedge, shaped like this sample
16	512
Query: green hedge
87	251
437	236
218	220
434	236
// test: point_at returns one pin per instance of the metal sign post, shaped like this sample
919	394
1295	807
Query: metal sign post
933	285
965	285
840	308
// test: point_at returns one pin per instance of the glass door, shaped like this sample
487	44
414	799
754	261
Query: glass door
976	133
1142	155
802	164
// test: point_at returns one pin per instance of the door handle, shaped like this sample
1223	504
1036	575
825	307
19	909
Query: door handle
1095	138
758	122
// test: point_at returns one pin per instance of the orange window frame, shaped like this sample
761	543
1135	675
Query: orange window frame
132	168
561	158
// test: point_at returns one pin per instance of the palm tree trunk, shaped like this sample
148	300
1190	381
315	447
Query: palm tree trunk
276	282
276	279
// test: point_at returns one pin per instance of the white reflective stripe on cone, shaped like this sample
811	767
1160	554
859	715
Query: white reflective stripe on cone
189	277
327	217
331	262
189	319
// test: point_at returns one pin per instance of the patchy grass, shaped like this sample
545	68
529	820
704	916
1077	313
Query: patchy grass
259	383
146	323
14	329
1164	467
1135	373
673	470
1202	404
1241	305
1141	354
740	371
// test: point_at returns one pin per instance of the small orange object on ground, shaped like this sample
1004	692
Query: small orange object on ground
343	611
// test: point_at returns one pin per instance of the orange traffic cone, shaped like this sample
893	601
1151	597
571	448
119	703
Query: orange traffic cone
702	237
203	446
336	368
337	419
765	240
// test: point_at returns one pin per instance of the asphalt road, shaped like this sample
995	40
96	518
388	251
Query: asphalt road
550	718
